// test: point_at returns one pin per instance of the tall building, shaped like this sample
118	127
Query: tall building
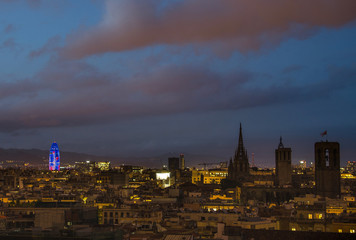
327	169
173	163
239	167
54	160
181	161
283	165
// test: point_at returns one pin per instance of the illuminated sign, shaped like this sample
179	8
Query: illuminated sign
163	176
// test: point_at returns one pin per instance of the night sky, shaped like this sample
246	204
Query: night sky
142	78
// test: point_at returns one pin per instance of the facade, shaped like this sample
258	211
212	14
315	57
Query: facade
54	159
103	166
117	216
351	167
283	165
86	167
47	218
239	168
327	169
211	176
113	177
164	179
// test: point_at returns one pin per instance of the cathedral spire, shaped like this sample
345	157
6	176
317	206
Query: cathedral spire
240	150
240	164
241	143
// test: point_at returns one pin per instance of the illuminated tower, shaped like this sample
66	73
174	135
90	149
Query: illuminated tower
54	160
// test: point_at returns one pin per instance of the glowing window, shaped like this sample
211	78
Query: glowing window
327	157
340	230
310	216
293	229
352	230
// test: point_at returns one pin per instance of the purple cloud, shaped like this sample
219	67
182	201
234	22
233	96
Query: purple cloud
240	25
71	93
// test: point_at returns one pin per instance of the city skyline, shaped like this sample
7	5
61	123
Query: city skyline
126	78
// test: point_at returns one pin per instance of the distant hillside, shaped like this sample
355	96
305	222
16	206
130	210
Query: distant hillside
37	156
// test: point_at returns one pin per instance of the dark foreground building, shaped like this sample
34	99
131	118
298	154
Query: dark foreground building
237	233
327	169
283	165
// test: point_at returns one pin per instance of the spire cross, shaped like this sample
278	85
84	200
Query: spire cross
280	143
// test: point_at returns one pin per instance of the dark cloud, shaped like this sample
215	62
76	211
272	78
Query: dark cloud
72	93
241	25
339	78
17	89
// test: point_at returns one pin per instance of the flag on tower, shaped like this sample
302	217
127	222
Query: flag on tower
324	133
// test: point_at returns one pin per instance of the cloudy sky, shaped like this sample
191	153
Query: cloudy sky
143	78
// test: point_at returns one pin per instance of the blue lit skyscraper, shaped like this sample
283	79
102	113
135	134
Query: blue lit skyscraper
54	162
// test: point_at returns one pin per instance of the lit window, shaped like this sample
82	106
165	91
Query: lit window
352	230
293	229
319	216
340	230
310	216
